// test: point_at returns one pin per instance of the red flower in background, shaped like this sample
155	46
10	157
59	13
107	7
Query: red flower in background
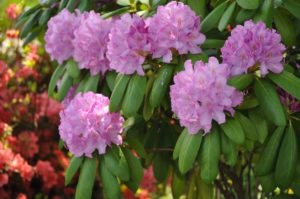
3	179
46	171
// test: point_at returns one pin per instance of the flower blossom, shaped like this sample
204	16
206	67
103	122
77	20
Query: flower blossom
128	45
253	46
174	27
200	94
90	42
60	35
87	124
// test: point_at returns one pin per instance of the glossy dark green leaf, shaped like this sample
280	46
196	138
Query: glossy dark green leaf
45	16
248	4
73	69
260	124
209	156
241	82
116	12
86	180
65	85
199	6
265	13
73	167
289	82
137	146
287	159
54	78
213	43
179	142
116	163
92	83
293	6
228	149
161	167
30	24
111	186
118	92
110	78
204	190
248	126
189	150
178	185
267	160
226	17
212	19
267	182
148	110
234	130
134	95
244	15
285	26
269	102
135	169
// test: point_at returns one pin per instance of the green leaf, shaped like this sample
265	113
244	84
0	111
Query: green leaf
110	78
269	102
293	6
226	17
148	109
73	167
287	159
45	16
248	4
189	150
213	43
116	12
116	163
86	180
267	182
179	142
134	95
286	27
248	126
32	35
62	4
92	83
228	150
265	13
71	5
178	185
244	15
73	69
110	183
212	19
241	82
118	92
209	156
161	85
197	57
204	191
287	81
260	124
137	146
30	24
199	6
161	167
135	169
84	5
233	129
66	84
268	157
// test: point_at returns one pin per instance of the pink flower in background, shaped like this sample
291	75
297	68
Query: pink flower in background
60	34
90	43
200	94
20	165
87	125
174	26
128	45
13	11
3	179
47	172
253	45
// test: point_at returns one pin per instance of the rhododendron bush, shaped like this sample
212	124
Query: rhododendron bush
204	93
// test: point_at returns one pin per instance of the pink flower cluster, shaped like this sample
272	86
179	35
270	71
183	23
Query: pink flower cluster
47	173
87	125
174	27
253	45
200	94
123	44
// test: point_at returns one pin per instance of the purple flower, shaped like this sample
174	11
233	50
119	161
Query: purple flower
128	45
174	26
87	125
200	94
289	101
90	42
60	34
253	45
